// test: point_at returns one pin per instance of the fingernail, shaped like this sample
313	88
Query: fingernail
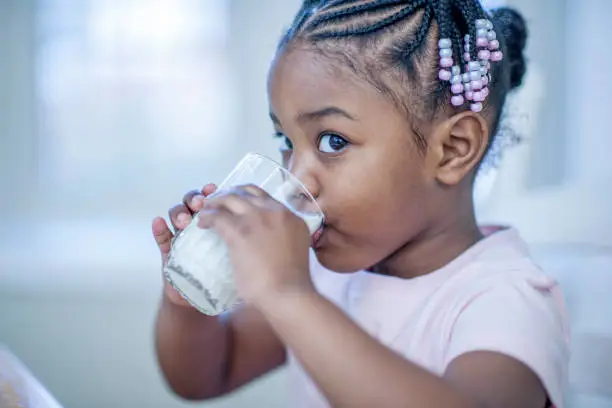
183	219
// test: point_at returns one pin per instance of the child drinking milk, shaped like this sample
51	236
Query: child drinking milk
385	109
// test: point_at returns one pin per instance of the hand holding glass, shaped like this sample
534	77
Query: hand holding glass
198	265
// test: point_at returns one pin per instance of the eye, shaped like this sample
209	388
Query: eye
331	143
285	143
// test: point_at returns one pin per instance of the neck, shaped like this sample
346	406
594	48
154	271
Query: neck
434	248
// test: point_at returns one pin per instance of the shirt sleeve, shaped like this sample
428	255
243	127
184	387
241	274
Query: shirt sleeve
524	320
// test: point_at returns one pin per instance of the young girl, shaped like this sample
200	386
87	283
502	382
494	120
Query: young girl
386	109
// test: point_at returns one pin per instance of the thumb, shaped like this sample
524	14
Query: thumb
163	237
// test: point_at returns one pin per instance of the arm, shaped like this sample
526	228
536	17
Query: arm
205	357
200	356
353	369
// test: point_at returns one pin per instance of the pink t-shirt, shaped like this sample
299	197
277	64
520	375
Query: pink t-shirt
492	297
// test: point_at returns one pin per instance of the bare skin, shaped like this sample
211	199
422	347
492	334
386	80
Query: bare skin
390	209
237	349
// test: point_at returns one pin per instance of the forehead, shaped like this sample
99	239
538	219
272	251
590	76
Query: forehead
304	80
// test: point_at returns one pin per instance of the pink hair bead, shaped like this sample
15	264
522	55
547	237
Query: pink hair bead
471	84
477	85
457	100
484	54
476	107
457	88
497	56
446	62
444	75
482	42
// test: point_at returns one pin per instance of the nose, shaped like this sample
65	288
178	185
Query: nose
304	169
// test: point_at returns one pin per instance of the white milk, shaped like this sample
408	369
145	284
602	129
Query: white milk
200	270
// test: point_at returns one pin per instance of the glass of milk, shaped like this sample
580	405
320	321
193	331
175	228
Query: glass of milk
198	265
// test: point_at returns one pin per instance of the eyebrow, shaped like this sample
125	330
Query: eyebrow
318	115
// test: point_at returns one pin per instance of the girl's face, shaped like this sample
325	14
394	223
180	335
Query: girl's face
355	152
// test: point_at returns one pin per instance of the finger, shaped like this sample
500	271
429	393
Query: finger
180	217
237	203
286	191
162	234
209	189
254	190
221	219
254	194
191	202
195	202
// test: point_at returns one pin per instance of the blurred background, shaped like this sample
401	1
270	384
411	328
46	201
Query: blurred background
111	109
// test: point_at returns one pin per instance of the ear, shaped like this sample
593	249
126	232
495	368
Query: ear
458	145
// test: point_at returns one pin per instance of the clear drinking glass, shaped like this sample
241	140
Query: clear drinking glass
198	265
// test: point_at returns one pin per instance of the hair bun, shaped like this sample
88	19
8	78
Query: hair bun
511	25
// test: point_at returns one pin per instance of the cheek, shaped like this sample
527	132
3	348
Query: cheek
371	226
378	198
377	206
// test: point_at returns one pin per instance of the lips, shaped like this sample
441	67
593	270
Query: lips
316	238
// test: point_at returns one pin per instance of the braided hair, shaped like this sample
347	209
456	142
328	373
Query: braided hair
393	44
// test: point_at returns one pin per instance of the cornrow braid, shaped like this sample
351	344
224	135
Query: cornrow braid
397	46
470	11
372	28
421	33
446	26
350	12
457	41
308	8
442	10
335	3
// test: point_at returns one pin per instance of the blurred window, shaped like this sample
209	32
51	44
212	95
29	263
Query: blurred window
127	89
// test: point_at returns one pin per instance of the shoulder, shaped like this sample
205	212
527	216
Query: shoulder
502	262
506	304
523	319
502	296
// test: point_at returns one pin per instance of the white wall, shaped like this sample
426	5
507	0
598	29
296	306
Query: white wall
555	186
98	352
17	127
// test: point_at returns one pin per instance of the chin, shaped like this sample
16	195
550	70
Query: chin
340	261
